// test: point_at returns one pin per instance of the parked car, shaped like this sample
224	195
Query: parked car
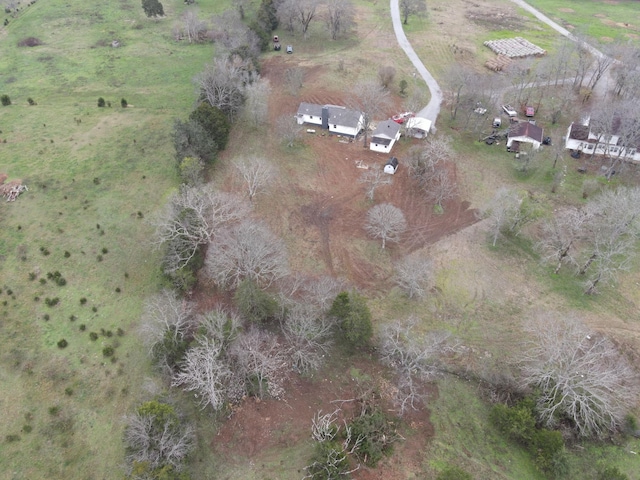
508	109
497	122
391	166
401	117
289	49
546	141
529	111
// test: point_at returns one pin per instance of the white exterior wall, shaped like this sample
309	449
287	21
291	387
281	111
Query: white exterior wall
313	119
605	149
534	143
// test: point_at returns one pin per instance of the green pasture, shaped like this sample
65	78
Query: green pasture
95	176
602	20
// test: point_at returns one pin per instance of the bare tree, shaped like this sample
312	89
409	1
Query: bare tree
258	360
166	318
425	160
505	214
306	12
294	79
333	462
288	14
373	178
458	78
205	372
257	173
157	440
310	290
413	275
560	235
190	219
192	28
308	332
580	374
339	17
415	357
386	75
371	99
611	235
386	222
220	326
247	250
441	187
256	106
412	7
223	84
289	130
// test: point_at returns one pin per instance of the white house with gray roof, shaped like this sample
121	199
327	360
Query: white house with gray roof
336	119
384	136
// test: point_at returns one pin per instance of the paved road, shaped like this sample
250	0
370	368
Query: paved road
432	110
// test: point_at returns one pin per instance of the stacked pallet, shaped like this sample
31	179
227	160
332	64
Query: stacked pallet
517	47
498	64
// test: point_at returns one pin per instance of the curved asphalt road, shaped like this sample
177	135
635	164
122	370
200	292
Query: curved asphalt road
432	109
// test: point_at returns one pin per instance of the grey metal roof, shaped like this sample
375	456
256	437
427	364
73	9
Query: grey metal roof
387	129
338	115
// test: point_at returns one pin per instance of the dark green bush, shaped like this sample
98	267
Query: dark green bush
27	428
93	336
354	317
67	254
612	473
31	101
12	438
6	101
378	434
108	351
62	343
101	102
82	327
83	300
255	304
51	302
123	103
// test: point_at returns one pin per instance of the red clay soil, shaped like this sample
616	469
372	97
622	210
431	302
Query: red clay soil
332	216
336	205
260	425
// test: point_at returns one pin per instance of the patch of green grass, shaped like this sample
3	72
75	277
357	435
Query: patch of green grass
596	19
464	436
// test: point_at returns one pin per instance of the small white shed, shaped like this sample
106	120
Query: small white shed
391	166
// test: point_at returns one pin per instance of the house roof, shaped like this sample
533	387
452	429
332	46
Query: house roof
310	109
419	123
386	130
338	115
344	116
579	132
526	129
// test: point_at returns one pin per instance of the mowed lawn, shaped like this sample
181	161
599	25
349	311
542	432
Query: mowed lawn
95	177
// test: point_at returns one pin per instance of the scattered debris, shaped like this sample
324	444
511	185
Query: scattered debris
360	164
12	189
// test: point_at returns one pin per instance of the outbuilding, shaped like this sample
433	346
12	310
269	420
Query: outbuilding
524	132
391	166
418	127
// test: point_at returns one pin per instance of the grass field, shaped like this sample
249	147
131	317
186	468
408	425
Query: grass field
96	176
604	21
